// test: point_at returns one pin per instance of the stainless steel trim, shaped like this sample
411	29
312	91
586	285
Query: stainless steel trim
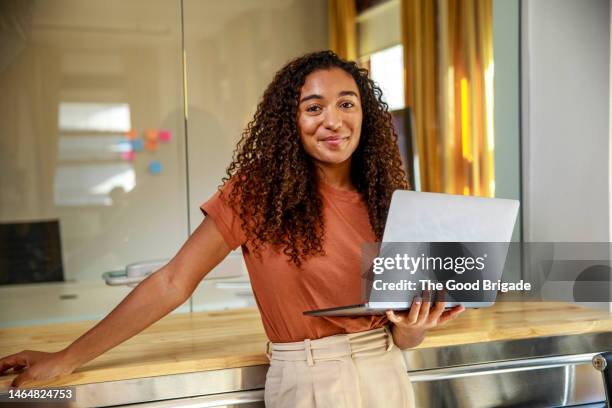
178	386
499	367
554	386
439	357
233	398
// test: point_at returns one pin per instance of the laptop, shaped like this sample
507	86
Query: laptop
438	220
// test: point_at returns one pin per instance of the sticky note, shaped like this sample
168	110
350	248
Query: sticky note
164	136
155	167
151	145
131	134
151	134
137	145
129	156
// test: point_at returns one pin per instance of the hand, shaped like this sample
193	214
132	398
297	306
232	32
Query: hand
38	366
409	327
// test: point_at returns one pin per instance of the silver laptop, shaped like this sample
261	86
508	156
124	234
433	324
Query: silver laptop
417	217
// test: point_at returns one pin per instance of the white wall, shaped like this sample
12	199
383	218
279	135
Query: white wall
565	110
565	113
506	19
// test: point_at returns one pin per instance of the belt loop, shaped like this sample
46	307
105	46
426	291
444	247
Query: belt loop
308	352
268	353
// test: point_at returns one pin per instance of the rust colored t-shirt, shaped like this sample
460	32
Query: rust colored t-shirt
283	291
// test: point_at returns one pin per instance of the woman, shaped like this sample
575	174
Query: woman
311	180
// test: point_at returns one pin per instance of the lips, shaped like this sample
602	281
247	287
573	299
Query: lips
334	140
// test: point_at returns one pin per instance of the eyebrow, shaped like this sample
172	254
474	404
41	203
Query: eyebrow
316	96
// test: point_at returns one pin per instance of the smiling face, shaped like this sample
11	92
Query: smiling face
330	116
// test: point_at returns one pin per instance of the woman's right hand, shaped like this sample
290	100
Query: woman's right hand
38	365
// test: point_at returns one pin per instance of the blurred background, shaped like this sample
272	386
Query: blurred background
119	118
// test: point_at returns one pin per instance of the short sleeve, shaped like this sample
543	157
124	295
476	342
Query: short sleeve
226	220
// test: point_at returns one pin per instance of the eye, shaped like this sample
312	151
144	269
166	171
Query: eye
347	105
313	108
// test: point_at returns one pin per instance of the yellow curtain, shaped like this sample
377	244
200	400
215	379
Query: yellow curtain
448	59
343	28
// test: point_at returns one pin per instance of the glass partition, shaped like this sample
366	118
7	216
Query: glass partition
93	162
92	141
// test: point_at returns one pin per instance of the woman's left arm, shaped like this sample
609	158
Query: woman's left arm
409	327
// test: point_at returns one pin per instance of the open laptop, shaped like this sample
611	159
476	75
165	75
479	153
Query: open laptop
416	217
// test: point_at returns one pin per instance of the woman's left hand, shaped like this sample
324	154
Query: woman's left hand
409	327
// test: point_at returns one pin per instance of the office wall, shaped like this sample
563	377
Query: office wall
565	113
506	20
506	105
566	138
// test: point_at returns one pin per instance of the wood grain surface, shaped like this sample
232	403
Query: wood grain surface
183	343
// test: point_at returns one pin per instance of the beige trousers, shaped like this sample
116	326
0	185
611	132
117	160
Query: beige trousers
353	370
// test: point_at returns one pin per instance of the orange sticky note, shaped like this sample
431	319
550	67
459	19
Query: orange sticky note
151	134
151	145
131	134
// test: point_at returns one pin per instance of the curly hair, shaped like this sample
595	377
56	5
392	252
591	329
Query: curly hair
274	182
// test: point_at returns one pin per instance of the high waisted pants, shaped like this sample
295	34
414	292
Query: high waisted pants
363	369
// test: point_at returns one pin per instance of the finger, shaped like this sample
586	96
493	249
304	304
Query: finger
6	363
13	361
21	379
395	319
424	312
438	308
415	308
451	314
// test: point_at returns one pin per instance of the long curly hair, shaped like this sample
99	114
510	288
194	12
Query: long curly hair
274	182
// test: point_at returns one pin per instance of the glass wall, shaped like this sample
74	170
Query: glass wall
94	172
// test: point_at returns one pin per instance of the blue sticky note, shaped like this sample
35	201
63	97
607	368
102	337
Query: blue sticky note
155	167
137	145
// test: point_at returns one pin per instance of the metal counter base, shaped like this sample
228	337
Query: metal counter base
537	372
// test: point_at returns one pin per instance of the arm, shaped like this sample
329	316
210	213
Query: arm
155	297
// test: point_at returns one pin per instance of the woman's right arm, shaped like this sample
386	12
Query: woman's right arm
155	297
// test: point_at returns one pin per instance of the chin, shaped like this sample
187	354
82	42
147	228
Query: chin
327	159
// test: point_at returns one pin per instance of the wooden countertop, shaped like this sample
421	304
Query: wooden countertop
183	343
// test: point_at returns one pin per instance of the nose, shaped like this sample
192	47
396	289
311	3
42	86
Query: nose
333	119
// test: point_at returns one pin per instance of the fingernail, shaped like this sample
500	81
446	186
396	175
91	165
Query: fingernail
417	300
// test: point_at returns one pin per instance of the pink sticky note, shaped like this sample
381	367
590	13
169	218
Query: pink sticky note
129	156
164	135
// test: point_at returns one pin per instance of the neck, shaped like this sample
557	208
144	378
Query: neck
336	175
